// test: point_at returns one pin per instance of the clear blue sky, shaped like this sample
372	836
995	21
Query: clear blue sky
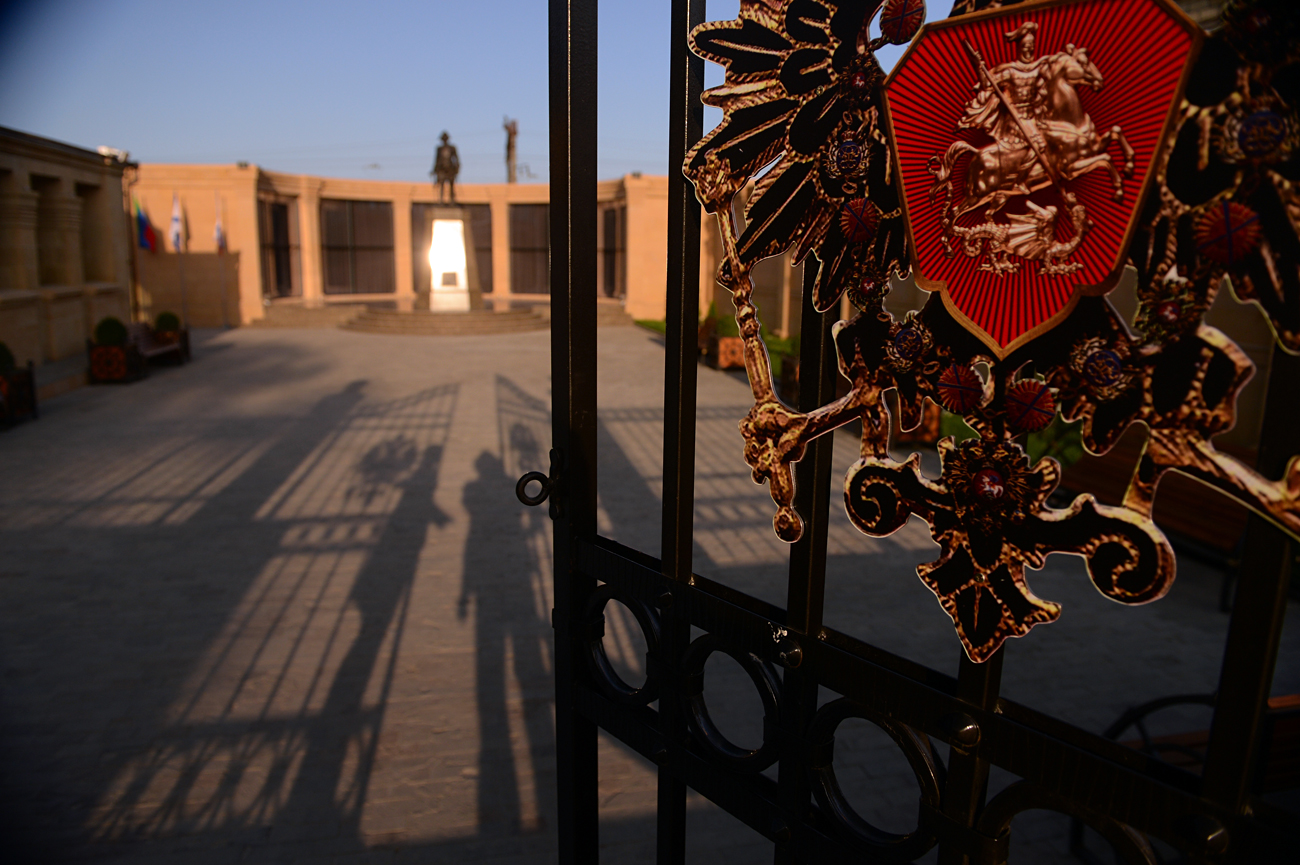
327	87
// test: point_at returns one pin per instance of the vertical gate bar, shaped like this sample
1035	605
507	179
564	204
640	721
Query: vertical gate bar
968	775
807	582
687	120
817	370
683	302
1258	613
572	70
686	125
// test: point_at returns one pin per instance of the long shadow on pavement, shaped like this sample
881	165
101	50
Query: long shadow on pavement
197	735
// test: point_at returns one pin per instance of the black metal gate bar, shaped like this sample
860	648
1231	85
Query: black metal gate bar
806	592
1098	775
572	71
968	772
686	122
1067	769
1258	612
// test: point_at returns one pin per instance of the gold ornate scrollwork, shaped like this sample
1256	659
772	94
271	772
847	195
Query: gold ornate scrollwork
803	104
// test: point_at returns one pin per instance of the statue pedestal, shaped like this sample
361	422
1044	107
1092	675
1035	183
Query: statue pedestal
452	266
449	300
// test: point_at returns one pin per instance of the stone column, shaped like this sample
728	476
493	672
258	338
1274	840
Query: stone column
313	280
500	204
58	238
18	264
405	295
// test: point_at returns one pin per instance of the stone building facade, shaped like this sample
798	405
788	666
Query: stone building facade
298	239
65	248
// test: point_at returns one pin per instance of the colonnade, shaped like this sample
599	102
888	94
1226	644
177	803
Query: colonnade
64	246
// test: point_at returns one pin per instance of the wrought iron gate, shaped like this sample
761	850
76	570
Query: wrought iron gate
951	730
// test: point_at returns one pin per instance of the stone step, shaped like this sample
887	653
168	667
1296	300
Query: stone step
612	315
428	330
277	315
426	323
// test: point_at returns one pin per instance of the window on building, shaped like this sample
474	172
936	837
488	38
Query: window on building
357	247
529	249
611	246
50	262
479	225
277	226
96	244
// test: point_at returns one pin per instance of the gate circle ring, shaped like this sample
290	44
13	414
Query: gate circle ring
521	489
1128	844
769	689
610	682
826	788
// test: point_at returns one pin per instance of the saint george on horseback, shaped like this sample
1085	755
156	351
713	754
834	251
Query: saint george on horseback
1041	137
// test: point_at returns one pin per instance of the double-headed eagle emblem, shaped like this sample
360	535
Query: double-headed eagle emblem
871	177
1042	138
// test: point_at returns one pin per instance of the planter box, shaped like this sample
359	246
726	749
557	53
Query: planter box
727	352
18	395
115	364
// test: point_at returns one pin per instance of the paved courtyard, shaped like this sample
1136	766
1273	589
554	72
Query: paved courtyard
281	605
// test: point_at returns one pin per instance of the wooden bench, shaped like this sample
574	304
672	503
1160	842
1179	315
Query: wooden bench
151	347
1279	758
1278	768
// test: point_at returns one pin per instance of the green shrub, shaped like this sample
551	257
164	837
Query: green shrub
167	322
110	331
953	425
726	324
777	348
1060	440
7	362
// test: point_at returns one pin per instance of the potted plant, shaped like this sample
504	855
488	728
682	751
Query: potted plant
167	330
17	388
113	357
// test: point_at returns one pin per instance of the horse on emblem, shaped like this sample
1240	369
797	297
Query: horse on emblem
1042	136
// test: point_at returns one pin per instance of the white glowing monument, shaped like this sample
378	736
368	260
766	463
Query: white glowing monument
448	266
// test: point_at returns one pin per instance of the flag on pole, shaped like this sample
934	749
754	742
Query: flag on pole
145	235
176	234
219	233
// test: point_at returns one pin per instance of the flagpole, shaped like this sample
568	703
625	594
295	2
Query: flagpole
225	319
180	267
133	211
178	243
219	236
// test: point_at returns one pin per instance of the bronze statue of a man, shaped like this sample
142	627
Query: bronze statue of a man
446	165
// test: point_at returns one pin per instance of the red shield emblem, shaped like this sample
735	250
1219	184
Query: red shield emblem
1024	138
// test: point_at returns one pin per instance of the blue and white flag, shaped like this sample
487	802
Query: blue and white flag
176	235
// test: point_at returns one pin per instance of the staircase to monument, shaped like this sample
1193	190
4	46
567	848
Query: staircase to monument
610	313
296	315
425	323
371	319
